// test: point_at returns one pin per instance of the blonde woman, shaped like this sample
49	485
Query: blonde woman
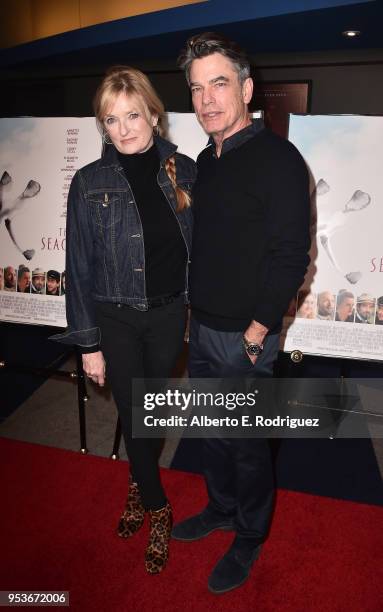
128	243
307	305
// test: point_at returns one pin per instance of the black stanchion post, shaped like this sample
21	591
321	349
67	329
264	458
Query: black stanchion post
82	399
117	441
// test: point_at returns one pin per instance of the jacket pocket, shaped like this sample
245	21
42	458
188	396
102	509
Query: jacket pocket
105	208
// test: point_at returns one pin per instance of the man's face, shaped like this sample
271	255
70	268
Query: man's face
52	285
345	308
219	100
326	304
39	282
9	277
24	281
379	313
365	309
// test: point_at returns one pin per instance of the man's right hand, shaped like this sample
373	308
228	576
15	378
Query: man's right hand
94	367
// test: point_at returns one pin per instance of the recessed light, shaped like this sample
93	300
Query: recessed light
351	33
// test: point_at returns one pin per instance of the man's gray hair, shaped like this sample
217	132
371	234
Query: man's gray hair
343	295
202	45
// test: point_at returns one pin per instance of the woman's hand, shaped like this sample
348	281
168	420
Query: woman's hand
94	367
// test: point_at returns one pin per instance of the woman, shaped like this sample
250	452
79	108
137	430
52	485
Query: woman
128	242
307	305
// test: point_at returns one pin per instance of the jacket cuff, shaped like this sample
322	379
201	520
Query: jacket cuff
85	338
84	350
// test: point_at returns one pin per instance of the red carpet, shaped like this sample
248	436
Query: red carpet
58	511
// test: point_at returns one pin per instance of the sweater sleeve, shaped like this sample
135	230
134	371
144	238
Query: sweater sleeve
289	221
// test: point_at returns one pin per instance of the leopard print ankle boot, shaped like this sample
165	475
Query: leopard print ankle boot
133	516
157	552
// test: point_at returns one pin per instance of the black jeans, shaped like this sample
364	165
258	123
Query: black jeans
141	345
238	472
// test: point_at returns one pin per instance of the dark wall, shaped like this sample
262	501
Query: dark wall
341	83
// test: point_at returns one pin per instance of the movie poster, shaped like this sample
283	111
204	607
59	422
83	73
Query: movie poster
339	309
38	158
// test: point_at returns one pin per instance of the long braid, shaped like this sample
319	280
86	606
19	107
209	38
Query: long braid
183	198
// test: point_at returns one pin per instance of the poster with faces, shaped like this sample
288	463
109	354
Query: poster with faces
339	309
38	158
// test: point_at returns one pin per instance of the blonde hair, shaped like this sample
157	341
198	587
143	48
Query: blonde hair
130	81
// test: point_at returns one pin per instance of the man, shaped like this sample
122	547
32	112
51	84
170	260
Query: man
9	279
379	311
345	302
365	309
326	306
38	281
53	282
23	279
63	275
251	210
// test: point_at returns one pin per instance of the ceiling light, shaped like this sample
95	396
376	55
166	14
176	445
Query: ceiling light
351	33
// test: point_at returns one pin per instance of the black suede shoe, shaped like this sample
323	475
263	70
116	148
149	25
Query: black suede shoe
200	525
234	568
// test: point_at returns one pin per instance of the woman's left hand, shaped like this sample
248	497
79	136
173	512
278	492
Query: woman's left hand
94	367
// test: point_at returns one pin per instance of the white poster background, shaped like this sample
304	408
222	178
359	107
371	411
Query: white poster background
345	153
49	151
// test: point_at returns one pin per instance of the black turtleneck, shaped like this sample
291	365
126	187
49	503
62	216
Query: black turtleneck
165	249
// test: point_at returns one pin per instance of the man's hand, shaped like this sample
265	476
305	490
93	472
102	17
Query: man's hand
94	367
255	334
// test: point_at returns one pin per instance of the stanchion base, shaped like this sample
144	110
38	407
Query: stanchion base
296	356
114	457
84	451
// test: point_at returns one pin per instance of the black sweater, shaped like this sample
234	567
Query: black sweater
165	249
251	230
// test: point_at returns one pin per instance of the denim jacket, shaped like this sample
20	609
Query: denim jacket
105	256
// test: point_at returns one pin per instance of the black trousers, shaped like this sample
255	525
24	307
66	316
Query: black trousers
140	345
238	472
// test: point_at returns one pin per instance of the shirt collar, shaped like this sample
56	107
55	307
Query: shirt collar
239	138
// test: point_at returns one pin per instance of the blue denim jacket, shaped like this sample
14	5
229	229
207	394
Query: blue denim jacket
105	256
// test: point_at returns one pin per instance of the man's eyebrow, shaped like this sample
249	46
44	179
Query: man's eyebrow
212	81
219	78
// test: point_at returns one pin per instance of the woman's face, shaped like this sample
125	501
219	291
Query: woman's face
129	124
307	309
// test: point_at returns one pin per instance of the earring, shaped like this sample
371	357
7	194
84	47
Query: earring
105	138
156	130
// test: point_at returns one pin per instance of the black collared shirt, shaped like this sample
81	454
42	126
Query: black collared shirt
239	138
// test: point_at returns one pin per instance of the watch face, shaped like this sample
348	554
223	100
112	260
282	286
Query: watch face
254	349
